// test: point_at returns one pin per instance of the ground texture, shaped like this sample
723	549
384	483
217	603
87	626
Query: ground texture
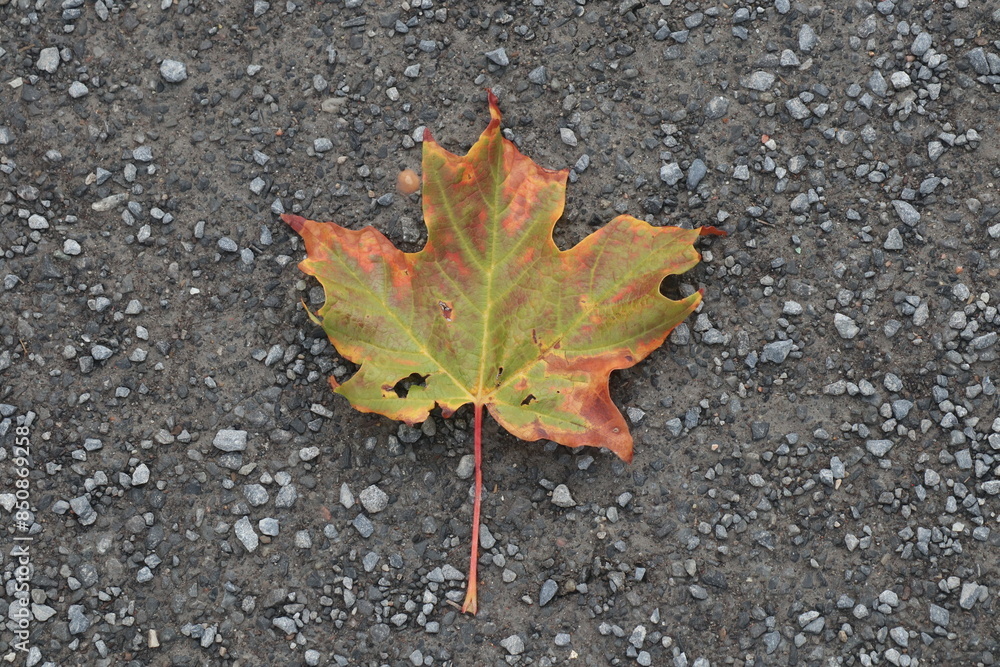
817	470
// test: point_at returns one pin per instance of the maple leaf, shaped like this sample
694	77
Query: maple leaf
490	311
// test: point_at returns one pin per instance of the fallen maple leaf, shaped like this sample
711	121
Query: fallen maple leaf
491	312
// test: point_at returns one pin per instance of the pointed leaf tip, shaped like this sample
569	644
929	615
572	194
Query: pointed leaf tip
494	104
296	222
708	230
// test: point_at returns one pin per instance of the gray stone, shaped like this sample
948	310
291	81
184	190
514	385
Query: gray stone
246	535
777	351
568	136
717	107
285	624
78	621
83	510
797	109
374	499
940	616
539	75
108	203
140	475
789	59
48	59
363	525
901	408
513	644
269	526
346	497
893	240
900	80
635	415
900	636
807	38
696	172
977	58
498	57
791	308
255	494
100	352
759	80
77	90
173	71
486	539
879	448
983	342
892	382
230	440
287	495
800	204
921	44
466	466
549	590
698	592
671	173
935	149
969	595
42	612
561	497
877	84
846	327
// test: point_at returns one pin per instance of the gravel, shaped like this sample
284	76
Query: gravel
815	448
48	60
906	212
246	535
671	173
173	71
561	497
230	440
846	327
374	499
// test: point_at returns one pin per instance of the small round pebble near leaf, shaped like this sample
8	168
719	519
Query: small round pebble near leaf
407	182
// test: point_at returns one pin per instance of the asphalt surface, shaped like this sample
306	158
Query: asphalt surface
816	477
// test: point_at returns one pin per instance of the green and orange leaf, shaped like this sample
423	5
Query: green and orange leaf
490	311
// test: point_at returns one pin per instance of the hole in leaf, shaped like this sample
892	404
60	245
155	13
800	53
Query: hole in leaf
402	388
445	309
528	399
499	375
670	287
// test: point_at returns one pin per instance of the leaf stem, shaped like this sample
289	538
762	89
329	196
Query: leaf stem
471	602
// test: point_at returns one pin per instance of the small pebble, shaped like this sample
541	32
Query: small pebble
173	71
